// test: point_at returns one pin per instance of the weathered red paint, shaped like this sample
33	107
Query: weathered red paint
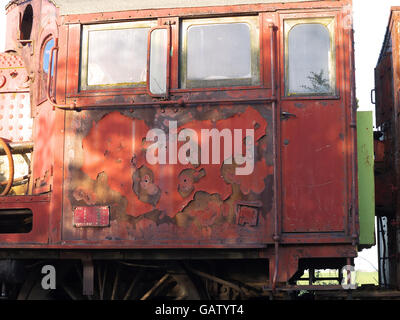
387	177
167	196
301	196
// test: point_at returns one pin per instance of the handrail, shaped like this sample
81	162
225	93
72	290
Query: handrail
48	89
51	99
18	148
276	235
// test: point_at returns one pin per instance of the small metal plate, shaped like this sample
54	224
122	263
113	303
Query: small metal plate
247	213
96	216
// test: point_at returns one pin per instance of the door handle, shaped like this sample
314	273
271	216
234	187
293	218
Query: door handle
287	115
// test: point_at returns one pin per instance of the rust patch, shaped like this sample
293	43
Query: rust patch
187	179
144	186
247	214
204	212
157	201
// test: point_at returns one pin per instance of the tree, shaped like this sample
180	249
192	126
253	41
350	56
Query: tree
319	83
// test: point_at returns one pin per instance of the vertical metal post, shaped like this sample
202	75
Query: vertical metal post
88	277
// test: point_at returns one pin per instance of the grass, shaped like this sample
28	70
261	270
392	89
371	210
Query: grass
367	277
362	277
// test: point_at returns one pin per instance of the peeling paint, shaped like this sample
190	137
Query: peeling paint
147	201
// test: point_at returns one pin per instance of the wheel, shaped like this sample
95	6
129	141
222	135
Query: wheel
8	183
113	280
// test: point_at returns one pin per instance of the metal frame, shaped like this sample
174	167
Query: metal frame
254	80
46	96
168	66
330	24
86	29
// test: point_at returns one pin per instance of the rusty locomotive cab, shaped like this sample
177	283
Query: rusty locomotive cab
218	138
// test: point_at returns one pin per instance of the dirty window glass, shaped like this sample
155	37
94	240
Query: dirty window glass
219	54
309	60
117	56
46	55
114	54
219	51
158	62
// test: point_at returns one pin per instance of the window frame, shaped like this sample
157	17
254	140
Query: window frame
329	22
84	54
43	85
255	80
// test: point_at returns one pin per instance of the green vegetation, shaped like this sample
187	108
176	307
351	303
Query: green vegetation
319	83
366	278
362	277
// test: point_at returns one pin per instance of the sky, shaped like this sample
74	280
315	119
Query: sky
371	18
370	21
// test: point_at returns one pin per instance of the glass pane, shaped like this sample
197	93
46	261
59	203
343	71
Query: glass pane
45	67
158	61
309	59
117	56
219	51
46	56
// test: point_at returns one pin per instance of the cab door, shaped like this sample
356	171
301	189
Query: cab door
313	131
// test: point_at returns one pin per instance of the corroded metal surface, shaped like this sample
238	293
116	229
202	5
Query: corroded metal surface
171	201
387	146
296	200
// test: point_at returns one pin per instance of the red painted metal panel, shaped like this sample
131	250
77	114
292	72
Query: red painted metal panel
106	156
387	162
314	167
317	148
42	164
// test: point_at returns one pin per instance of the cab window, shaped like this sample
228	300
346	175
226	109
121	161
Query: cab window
220	52
46	69
114	55
310	57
